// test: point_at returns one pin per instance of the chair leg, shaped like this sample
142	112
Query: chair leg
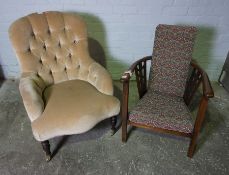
46	147
197	126
192	146
113	124
124	130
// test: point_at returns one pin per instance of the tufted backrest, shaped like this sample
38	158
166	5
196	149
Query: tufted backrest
172	53
52	45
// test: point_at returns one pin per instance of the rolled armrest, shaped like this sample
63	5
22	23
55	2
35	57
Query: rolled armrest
31	87
100	78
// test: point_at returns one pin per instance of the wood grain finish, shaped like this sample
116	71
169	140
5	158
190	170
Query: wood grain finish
125	96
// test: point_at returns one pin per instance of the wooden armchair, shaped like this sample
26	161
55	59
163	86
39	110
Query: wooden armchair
163	102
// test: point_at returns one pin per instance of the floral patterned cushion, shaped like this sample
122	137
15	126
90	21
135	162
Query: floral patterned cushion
163	111
172	54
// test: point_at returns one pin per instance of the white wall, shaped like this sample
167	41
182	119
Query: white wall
125	28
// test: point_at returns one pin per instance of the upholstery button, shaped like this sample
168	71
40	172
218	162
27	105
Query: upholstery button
70	55
29	50
49	32
33	35
44	46
50	72
40	61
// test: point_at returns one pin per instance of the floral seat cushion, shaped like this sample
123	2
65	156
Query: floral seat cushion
164	111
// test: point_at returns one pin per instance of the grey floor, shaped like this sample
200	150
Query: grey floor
96	152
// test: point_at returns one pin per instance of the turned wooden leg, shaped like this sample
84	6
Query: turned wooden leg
113	124
46	147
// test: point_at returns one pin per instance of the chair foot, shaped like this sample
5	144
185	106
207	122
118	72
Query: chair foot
46	148
113	124
48	158
112	132
191	151
192	147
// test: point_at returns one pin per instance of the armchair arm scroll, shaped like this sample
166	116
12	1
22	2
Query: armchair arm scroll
100	78
31	87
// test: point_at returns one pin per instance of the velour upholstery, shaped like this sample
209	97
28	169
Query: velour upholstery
52	48
71	99
172	53
158	110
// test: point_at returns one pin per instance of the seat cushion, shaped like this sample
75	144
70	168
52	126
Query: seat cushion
73	107
162	111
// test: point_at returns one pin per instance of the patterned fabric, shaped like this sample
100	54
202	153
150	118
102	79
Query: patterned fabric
172	54
162	111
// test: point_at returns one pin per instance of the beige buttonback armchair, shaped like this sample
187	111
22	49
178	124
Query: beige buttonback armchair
63	89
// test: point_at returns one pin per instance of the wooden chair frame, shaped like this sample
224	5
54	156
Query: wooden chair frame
198	76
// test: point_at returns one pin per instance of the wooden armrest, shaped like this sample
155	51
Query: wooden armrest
125	80
128	74
139	67
207	88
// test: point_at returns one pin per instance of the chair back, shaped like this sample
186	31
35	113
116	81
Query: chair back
172	53
52	45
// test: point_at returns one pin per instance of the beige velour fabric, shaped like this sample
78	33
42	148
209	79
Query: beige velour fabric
71	99
52	48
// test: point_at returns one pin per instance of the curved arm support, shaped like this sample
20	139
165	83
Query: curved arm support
128	74
31	87
100	78
139	67
197	77
207	88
